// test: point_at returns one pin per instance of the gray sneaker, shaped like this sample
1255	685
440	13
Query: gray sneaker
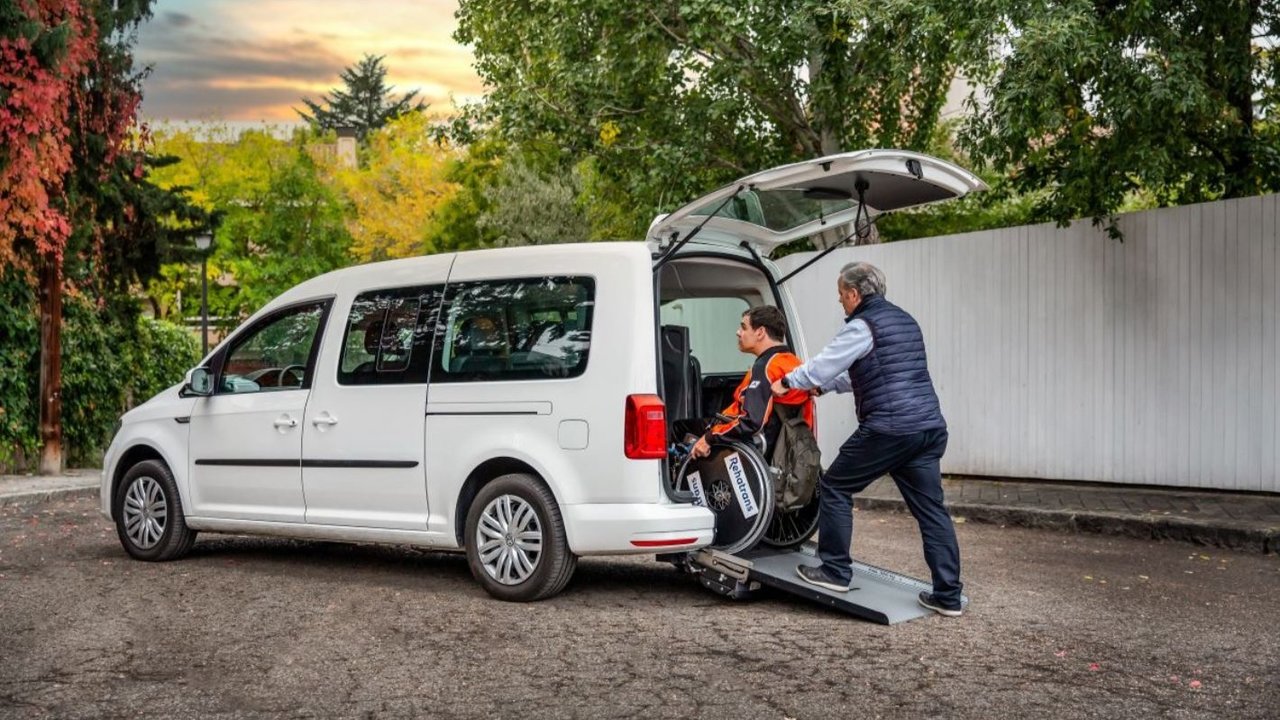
929	601
818	576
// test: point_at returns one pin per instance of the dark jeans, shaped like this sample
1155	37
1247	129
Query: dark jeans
913	461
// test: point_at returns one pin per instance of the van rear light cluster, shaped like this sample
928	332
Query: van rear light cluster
644	429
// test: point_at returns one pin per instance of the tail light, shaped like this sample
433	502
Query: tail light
645	428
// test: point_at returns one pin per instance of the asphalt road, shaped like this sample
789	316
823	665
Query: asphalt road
1060	625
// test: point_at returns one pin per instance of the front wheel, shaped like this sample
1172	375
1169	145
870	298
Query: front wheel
148	513
515	538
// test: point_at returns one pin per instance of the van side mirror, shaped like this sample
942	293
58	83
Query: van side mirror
199	383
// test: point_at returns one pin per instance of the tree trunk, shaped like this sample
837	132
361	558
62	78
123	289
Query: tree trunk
1240	171
51	365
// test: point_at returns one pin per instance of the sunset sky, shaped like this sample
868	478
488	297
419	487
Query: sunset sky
253	60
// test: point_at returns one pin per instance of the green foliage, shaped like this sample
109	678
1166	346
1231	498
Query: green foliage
109	367
1096	103
455	224
279	223
110	363
19	369
365	104
670	100
163	353
394	195
529	208
294	232
96	359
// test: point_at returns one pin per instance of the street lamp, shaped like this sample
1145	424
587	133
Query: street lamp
203	241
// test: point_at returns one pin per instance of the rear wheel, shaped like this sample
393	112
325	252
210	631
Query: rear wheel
149	516
516	544
733	482
792	528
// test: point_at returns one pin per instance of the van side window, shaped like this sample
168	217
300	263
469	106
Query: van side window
277	354
525	329
388	337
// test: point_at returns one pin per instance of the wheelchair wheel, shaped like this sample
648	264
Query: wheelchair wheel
734	483
792	528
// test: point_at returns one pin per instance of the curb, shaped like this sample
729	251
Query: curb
39	496
1263	540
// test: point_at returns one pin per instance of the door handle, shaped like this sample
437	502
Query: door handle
284	421
324	418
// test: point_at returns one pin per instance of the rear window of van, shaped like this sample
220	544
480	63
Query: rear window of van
516	329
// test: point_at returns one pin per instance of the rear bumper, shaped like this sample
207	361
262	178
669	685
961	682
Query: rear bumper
624	529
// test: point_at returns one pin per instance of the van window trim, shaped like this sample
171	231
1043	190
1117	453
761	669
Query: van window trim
446	300
443	285
217	362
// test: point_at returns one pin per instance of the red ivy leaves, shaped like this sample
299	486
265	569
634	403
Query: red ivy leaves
37	97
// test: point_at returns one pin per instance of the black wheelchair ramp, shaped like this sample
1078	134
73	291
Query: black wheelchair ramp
878	595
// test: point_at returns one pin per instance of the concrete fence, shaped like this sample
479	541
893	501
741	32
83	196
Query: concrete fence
1061	354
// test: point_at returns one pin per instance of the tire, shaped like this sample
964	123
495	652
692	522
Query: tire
149	516
511	564
735	531
792	528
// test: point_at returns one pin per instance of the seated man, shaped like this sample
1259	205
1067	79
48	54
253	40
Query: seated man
372	341
761	333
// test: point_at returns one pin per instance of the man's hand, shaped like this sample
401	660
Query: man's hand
778	390
701	448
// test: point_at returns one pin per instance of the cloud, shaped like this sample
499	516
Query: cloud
178	20
238	60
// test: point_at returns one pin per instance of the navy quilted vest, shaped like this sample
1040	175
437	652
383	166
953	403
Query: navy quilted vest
891	383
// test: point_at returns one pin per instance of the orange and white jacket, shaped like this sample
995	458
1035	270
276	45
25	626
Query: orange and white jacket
752	408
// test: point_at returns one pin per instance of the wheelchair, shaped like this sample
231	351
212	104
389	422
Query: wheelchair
743	490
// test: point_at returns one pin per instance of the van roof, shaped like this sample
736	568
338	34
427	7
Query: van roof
371	272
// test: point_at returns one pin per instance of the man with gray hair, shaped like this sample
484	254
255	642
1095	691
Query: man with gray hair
879	356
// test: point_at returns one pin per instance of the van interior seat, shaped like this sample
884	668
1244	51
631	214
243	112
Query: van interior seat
681	374
481	347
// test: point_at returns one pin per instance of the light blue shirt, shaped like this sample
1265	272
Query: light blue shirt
829	369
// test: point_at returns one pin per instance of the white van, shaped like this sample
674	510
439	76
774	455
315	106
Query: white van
513	403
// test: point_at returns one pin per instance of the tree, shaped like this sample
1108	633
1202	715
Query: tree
673	98
528	208
394	196
292	232
366	103
69	97
279	221
1093	102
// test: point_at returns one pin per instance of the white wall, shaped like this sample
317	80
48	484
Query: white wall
1058	353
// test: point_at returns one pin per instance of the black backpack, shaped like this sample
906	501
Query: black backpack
796	457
